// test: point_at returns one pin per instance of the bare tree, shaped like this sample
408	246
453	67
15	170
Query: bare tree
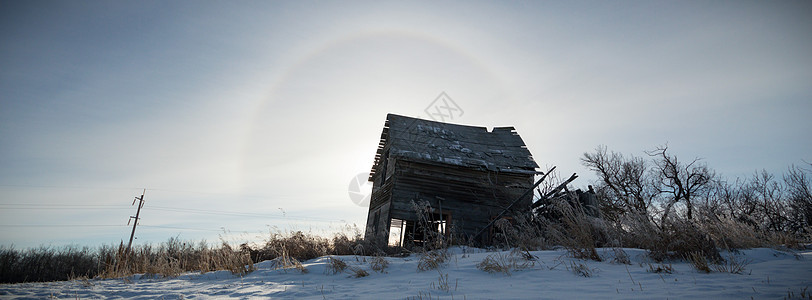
769	197
728	196
624	183
720	196
799	189
662	186
678	181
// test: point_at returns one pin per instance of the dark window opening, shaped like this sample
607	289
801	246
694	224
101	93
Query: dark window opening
412	233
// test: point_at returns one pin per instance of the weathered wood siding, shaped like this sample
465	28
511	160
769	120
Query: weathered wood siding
471	197
465	172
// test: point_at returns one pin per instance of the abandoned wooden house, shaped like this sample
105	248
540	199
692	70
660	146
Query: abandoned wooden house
461	177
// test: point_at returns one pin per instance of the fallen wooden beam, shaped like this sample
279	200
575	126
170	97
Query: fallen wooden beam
554	191
530	190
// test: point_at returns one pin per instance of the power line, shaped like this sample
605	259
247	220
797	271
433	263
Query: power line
176	227
65	187
213	212
34	186
61	208
105	206
9	206
60	225
239	214
231	195
59	204
105	225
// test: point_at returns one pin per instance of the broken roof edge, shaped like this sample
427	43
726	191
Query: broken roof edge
391	126
483	128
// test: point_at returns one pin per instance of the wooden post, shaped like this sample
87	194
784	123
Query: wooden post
137	212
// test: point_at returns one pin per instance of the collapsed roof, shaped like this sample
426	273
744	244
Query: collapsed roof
500	150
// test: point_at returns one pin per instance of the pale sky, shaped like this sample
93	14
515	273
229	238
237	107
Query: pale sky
241	118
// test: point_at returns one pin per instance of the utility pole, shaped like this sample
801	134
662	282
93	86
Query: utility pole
137	212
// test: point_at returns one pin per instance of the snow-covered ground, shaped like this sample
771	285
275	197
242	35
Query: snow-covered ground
770	274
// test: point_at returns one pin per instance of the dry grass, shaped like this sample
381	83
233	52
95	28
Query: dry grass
676	238
335	265
287	262
379	264
299	245
46	264
568	226
442	282
494	264
661	268
802	294
523	234
423	296
174	257
680	237
505	263
698	261
620	257
732	265
432	260
580	269
305	246
358	272
732	234
168	259
785	239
